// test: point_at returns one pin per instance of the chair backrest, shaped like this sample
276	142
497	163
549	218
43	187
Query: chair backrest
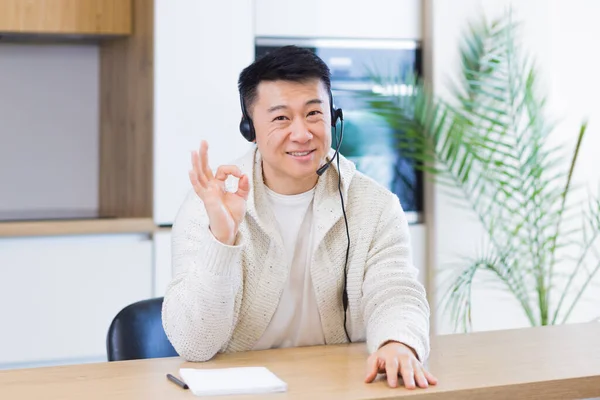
136	332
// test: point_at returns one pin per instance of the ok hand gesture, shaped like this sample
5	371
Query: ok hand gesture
225	209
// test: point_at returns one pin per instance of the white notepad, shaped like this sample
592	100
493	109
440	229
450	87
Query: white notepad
226	381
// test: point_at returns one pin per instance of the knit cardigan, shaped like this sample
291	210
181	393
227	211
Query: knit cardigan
221	298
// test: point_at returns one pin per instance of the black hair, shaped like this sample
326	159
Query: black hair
288	63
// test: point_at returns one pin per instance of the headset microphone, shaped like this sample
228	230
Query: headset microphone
338	114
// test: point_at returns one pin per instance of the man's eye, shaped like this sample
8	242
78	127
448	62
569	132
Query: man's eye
280	118
316	112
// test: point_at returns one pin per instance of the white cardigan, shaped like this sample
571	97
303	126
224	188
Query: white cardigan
221	298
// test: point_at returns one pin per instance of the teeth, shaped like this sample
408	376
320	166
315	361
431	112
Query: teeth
297	154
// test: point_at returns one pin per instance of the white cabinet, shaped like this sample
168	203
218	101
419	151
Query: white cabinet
200	49
374	19
162	262
60	294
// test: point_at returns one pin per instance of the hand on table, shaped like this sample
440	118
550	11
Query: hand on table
395	359
225	210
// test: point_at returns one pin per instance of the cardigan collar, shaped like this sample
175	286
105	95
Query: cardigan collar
327	211
327	205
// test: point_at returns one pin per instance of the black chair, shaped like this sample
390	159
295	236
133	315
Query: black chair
136	332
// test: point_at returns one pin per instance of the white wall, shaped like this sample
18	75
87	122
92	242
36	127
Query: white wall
575	62
376	19
561	35
48	127
200	49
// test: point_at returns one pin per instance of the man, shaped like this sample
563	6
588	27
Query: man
263	265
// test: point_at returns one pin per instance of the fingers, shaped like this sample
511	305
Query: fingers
391	370
204	158
372	368
430	378
413	373
225	170
201	172
408	373
196	183
243	187
419	375
197	169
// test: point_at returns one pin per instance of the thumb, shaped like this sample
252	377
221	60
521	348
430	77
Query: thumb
243	187
372	368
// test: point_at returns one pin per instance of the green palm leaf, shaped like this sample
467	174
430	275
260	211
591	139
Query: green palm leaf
488	142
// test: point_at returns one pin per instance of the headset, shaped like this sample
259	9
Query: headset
248	132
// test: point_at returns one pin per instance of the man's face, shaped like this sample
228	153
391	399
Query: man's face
293	129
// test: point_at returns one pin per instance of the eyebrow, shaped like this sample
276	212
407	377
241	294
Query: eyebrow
282	106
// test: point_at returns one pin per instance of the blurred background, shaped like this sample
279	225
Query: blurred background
102	101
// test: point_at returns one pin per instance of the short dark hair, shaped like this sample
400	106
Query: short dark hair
288	63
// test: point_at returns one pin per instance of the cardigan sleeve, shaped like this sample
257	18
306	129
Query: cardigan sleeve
202	300
394	302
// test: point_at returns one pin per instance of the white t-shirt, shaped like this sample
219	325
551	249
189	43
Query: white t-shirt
296	321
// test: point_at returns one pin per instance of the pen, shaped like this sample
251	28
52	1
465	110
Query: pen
177	381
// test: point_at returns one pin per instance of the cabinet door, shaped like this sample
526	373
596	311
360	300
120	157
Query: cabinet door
66	17
60	294
374	19
162	262
200	49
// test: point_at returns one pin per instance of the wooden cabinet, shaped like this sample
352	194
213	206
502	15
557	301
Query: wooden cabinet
59	294
66	17
94	85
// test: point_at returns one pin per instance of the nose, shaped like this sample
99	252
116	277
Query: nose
300	132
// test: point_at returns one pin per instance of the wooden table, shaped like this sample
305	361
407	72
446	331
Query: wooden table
561	362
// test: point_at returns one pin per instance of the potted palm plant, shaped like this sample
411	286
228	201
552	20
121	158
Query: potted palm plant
489	142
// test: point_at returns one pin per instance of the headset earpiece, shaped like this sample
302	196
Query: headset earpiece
336	113
247	130
246	127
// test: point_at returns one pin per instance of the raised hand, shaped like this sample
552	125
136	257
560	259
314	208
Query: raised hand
225	210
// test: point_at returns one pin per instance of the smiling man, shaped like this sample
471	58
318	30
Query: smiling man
288	256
